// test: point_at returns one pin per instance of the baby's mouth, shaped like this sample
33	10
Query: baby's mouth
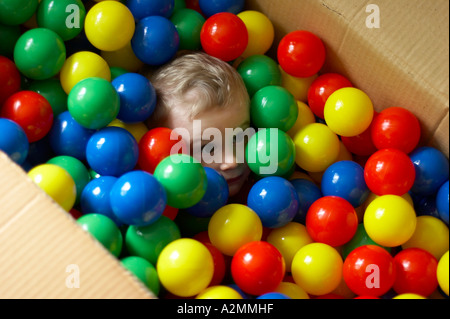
234	180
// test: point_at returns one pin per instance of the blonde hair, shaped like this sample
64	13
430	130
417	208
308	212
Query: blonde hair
199	82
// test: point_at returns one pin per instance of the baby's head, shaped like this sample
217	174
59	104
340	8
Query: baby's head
205	99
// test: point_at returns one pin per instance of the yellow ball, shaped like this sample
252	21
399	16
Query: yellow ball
317	147
373	196
138	130
390	220
123	58
185	267
442	273
233	226
298	87
409	296
109	25
288	240
261	32
349	112
431	234
83	65
219	292
292	290
305	117
56	182
317	268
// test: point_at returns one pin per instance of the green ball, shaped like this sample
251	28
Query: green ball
104	230
184	180
15	12
179	4
40	54
191	225
189	25
259	71
93	103
270	152
52	90
117	71
148	242
9	36
144	271
274	107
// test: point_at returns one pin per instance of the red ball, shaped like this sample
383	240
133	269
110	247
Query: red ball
389	172
224	36
331	220
156	145
31	111
258	268
361	145
219	265
416	272
170	212
321	89
369	271
9	79
301	54
397	128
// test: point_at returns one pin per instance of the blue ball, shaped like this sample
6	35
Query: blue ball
275	201
216	195
273	296
425	205
112	151
432	170
345	179
95	198
137	97
67	137
211	7
145	8
155	41
138	199
308	192
13	141
442	202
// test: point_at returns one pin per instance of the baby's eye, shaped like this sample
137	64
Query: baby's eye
207	148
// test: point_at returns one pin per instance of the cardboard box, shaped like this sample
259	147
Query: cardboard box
404	62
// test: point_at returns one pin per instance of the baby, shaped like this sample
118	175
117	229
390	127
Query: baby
205	100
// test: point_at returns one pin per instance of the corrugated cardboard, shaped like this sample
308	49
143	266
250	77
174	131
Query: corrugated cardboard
403	63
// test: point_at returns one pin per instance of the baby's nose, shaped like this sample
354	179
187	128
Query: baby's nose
229	163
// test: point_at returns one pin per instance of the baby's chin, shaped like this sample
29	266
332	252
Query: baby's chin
235	187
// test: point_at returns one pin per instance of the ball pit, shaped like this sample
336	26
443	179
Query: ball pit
80	104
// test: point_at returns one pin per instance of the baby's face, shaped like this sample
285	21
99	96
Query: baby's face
216	140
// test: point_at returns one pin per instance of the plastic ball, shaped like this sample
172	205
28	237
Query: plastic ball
361	238
369	271
390	220
345	179
292	290
224	36
10	79
185	267
155	40
148	241
275	201
442	202
258	268
220	264
219	292
409	296
83	65
216	195
65	17
442	273
273	296
9	36
317	147
144	271
104	230
270	152
184	180
123	60
53	92
389	171
17	12
233	226
331	220
145	8
39	54
210	8
416	272
308	192
317	268
361	144
13	141
56	182
31	111
189	25
138	130
137	97
304	118
348	111
288	240
321	89
94	103
396	127
432	170
112	151
301	53
261	32
274	107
